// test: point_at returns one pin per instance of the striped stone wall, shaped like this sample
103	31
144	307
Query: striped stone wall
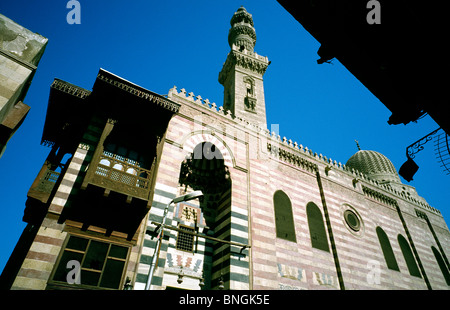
163	195
39	263
278	263
356	262
186	130
44	251
41	257
259	164
423	241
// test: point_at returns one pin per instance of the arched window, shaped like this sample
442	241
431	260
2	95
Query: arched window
409	257
387	249
118	167
105	162
284	219
316	227
250	98
441	264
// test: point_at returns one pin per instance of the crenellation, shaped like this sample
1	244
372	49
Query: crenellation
213	107
206	102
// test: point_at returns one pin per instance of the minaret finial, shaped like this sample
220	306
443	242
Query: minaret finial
357	145
242	33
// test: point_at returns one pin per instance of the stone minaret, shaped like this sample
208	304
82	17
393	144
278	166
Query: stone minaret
242	72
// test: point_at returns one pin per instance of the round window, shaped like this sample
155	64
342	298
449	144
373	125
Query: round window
352	220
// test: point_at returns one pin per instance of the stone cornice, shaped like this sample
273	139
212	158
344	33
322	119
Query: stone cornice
379	196
17	59
249	60
292	158
391	201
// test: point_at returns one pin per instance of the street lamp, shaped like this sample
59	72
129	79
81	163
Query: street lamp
189	196
408	169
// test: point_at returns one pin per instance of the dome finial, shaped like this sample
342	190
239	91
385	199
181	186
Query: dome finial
357	145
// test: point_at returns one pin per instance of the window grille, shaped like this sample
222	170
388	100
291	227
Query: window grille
185	241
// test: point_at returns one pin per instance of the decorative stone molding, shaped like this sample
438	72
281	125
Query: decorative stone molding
249	60
242	16
421	214
242	29
70	89
379	196
291	158
291	272
242	32
188	264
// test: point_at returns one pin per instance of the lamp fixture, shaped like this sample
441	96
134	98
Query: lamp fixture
128	286
221	283
408	169
189	196
180	275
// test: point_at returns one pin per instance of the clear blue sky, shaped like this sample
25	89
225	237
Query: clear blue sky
159	44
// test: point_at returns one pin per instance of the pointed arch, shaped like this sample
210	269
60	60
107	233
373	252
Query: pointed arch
409	257
441	264
316	226
284	218
197	137
386	247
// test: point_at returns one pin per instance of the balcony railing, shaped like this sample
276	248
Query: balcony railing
123	170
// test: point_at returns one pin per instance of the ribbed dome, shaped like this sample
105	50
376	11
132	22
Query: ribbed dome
375	165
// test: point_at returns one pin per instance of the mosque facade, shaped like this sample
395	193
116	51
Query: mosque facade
111	207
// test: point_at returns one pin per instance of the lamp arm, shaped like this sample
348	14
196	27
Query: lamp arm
418	146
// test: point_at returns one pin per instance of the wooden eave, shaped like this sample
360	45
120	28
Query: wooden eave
121	100
67	111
